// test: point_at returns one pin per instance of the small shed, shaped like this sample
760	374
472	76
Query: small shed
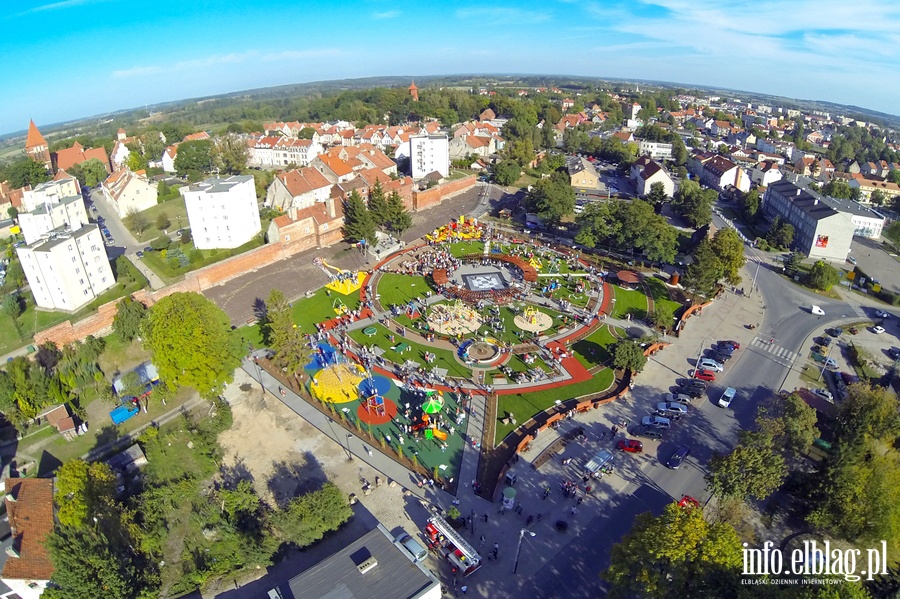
128	460
147	372
628	278
60	418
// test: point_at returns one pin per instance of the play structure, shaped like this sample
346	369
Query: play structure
455	318
533	320
342	281
337	383
463	229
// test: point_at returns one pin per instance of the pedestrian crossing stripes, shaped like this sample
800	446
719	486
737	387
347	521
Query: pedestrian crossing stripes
771	347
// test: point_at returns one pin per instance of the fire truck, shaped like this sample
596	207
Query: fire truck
450	544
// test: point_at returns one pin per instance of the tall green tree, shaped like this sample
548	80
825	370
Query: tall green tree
752	469
136	221
729	248
90	172
551	199
823	276
358	222
628	355
705	270
84	491
194	158
378	207
229	154
191	342
399	217
507	172
24	171
13	308
129	318
749	204
162	221
780	233
694	204
657	195
676	554
307	518
284	336
790	422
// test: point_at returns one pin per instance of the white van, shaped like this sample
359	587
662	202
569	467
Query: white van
413	547
817	311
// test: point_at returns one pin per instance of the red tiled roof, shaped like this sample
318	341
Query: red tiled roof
34	137
31	520
303	180
196	136
69	157
337	166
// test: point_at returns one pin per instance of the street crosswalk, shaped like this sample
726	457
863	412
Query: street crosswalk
777	352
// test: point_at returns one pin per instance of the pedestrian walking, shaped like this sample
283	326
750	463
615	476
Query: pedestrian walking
485	518
482	541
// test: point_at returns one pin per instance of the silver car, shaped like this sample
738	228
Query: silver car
707	364
665	409
678	398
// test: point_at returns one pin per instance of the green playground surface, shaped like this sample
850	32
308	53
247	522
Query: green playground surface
629	301
463	248
524	405
396	289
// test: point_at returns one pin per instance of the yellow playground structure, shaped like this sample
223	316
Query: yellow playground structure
463	229
343	281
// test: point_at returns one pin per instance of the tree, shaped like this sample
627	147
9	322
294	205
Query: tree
595	224
823	276
837	188
894	176
25	171
12	212
507	172
137	221
377	206
878	198
194	158
705	270
284	336
307	518
129	318
398	216
657	194
136	161
240	501
867	412
162	221
230	154
628	355
191	342
676	554
749	204
12	307
551	199
87	564
90	172
780	233
729	249
790	422
358	222
694	204
892	232
752	469
662	316
84	491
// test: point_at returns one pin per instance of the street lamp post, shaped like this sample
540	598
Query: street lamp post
700	354
519	548
753	284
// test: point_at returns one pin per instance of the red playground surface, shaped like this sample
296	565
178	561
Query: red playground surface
376	414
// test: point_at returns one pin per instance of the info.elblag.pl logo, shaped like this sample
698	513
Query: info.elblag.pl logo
815	559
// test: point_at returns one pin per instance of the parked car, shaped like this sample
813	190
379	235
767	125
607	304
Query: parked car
692	392
140	254
881	314
835	332
705	375
630	446
413	547
817	310
824	341
878	330
147	249
679	398
665	408
851	259
656	422
727	397
678	457
733	344
720	357
694	384
707	364
724	349
648	433
824	394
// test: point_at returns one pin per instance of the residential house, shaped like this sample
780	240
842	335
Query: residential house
68	157
721	128
582	174
29	509
645	172
315	226
867	185
487	115
222	212
655	150
719	172
333	169
36	146
130	192
624	136
11	198
168	158
298	188
283	151
427	154
567	103
765	173
49	206
60	418
67	268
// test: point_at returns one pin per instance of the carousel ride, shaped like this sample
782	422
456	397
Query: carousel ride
454	319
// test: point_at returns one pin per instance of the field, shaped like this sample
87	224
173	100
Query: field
627	301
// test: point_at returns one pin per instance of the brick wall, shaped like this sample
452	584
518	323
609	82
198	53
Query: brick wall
235	266
435	195
97	324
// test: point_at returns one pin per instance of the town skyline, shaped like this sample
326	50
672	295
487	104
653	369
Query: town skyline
181	51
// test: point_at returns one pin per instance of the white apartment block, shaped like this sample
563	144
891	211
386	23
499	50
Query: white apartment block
427	154
222	212
130	192
52	205
67	269
655	150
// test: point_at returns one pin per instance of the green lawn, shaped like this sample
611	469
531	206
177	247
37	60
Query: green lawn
463	248
660	293
176	212
626	301
399	289
161	266
593	350
524	405
443	358
308	311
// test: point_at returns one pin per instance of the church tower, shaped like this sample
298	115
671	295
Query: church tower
36	146
414	92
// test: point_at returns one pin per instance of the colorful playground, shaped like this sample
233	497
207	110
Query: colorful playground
394	359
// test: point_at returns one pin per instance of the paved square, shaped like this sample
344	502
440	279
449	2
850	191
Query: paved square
485	281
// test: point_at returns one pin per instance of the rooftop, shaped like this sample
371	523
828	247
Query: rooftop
338	576
220	185
29	504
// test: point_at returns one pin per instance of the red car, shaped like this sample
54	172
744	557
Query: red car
705	375
688	501
630	446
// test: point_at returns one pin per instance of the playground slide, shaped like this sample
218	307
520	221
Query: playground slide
439	434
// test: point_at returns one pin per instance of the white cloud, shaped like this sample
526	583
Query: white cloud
136	72
57	6
298	54
504	15
388	14
214	60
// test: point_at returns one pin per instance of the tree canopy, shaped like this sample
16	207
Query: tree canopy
507	172
694	204
729	249
284	337
358	222
751	469
194	158
129	318
823	276
24	171
628	355
191	342
551	199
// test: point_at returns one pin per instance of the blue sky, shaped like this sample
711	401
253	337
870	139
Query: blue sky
76	58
